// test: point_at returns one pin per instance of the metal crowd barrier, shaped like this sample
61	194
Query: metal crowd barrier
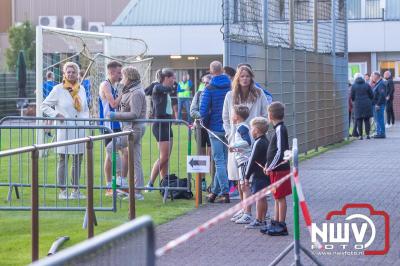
34	151
129	244
150	152
18	170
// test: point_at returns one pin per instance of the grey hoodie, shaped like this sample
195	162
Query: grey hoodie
132	106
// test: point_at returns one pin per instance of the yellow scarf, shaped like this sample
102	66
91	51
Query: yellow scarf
73	89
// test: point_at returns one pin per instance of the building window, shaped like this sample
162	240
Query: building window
302	10
392	9
356	67
372	9
245	11
364	9
324	9
354	9
392	66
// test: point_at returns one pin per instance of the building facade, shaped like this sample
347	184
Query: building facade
374	36
183	35
83	13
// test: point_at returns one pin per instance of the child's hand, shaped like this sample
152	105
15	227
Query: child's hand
287	155
232	149
267	171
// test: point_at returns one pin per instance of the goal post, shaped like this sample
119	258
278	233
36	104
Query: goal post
45	44
91	51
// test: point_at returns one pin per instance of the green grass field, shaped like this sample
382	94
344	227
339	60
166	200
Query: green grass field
15	225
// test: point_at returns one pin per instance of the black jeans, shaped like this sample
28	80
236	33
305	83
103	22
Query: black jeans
360	126
390	112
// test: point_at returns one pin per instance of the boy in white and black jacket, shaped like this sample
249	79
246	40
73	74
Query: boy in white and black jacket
242	149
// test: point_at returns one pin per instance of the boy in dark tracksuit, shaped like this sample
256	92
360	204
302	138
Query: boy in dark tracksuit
277	169
259	127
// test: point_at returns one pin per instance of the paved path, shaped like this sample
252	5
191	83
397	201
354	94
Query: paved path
363	171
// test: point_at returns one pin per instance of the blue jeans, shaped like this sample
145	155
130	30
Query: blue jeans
379	117
220	156
186	103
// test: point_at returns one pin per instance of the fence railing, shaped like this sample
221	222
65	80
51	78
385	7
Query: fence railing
35	162
129	244
16	175
149	151
34	151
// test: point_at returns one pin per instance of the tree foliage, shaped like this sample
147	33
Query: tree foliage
21	37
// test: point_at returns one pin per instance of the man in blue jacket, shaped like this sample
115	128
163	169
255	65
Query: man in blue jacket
211	106
379	102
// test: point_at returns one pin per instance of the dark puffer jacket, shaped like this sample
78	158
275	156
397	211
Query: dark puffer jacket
361	95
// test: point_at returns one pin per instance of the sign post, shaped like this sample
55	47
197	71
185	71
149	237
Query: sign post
198	164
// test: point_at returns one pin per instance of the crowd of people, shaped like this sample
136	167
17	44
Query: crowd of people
234	113
369	97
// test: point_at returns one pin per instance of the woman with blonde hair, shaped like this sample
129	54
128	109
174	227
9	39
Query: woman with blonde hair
69	101
244	92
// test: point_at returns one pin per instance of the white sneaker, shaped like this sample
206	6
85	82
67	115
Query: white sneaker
237	216
387	126
245	219
122	181
255	225
76	195
138	196
63	195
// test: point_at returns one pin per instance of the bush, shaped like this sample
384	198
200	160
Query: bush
21	37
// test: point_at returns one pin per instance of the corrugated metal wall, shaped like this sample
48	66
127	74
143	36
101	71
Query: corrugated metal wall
303	64
312	86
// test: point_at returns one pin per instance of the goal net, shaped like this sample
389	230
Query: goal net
91	51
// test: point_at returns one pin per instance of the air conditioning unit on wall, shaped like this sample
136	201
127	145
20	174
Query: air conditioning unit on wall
48	21
96	26
73	22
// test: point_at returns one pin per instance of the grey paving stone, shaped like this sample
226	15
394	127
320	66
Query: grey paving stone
362	172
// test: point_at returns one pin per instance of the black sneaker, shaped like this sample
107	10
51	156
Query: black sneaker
211	198
279	229
268	227
368	137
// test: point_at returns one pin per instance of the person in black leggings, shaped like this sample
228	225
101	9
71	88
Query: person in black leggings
162	109
389	98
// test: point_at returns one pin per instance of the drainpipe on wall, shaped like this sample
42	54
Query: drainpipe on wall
12	12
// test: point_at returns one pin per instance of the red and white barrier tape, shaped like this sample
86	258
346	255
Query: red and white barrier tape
227	145
303	204
201	228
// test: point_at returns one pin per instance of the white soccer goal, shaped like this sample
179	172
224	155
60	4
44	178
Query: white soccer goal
91	51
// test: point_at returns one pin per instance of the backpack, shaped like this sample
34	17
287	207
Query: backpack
174	181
